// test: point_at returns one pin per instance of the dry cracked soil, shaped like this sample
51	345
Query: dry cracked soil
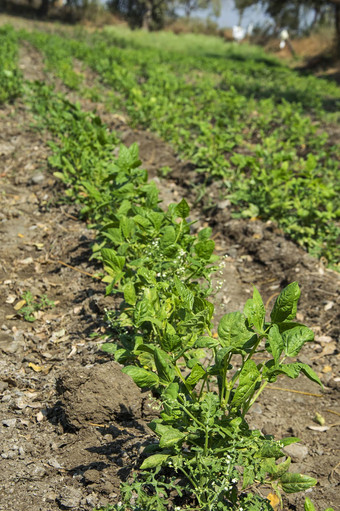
72	425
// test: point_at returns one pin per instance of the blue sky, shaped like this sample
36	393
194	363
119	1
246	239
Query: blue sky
229	15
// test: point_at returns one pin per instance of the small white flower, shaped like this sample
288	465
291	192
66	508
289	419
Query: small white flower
234	480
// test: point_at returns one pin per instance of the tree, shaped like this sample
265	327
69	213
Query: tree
290	12
190	6
148	14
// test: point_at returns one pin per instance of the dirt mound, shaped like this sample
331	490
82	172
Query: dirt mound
99	394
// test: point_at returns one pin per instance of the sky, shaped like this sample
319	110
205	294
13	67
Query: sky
230	16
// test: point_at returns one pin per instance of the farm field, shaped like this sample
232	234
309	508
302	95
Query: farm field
240	190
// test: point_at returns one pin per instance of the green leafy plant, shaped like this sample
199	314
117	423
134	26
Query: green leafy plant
202	431
34	305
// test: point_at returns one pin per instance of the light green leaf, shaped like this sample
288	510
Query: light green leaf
292	483
112	260
288	440
248	476
141	377
154	461
129	293
169	436
309	506
109	347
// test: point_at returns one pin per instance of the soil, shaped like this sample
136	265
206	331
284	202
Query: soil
72	424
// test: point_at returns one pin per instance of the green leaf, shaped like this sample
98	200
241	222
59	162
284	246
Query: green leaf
233	330
169	436
288	440
109	347
292	483
112	260
275	343
204	234
204	249
308	371
206	342
154	461
182	209
129	293
197	373
254	310
141	377
184	293
165	369
248	380
309	506
295	338
248	476
277	471
168	236
285	306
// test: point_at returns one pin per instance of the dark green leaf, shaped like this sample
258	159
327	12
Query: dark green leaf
292	483
233	330
204	249
182	209
165	369
248	380
285	306
197	373
308	371
295	338
275	343
254	310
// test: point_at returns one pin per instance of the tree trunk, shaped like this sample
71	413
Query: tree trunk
337	29
43	9
147	18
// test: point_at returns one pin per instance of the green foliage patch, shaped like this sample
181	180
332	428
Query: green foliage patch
10	76
236	113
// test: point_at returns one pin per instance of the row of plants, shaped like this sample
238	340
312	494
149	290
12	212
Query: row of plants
206	456
237	114
10	76
205	382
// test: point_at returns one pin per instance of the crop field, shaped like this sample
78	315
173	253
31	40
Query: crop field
169	274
